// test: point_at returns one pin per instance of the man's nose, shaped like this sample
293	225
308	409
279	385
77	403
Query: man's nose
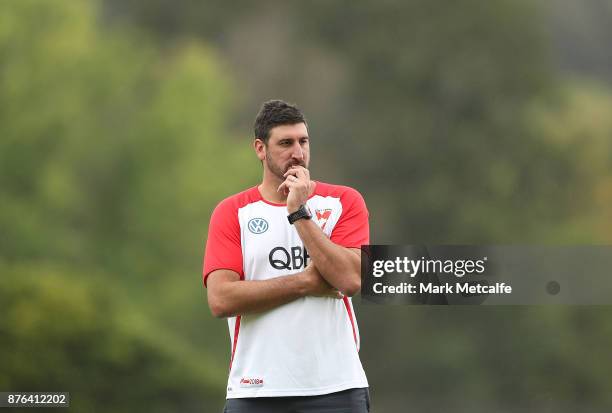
297	152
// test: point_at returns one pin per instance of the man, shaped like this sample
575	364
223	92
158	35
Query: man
281	261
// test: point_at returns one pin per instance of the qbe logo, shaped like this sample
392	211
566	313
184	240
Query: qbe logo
293	259
258	225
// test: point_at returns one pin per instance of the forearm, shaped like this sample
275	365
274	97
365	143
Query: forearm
339	266
248	297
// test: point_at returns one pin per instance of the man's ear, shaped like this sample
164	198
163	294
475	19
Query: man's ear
260	148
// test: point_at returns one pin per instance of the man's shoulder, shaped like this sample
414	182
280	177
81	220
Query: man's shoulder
340	191
239	200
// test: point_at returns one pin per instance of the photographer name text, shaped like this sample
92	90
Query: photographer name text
464	288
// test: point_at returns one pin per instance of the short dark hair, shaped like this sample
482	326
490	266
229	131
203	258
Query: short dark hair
275	113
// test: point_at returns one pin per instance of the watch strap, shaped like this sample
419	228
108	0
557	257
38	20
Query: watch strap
301	213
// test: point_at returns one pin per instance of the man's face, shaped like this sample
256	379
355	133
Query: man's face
287	146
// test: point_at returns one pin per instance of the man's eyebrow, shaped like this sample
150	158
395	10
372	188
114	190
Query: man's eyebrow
290	138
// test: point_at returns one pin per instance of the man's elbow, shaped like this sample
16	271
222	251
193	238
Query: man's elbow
352	287
218	310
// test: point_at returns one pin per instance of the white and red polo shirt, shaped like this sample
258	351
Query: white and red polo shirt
308	346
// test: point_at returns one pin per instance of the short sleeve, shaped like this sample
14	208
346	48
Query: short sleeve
223	246
352	229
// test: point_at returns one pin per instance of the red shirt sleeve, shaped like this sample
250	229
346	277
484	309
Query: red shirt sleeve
352	229
223	246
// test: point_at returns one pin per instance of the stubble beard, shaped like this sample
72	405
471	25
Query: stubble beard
278	171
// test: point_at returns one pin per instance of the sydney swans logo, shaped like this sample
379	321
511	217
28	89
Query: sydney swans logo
322	215
258	225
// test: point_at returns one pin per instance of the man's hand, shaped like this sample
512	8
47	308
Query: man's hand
297	185
316	285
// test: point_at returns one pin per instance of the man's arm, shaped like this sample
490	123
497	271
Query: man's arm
340	266
229	296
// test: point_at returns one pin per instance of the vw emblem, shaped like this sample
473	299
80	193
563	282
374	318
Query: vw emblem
258	225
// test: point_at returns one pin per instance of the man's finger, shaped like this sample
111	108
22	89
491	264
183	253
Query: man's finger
300	171
291	171
287	186
292	184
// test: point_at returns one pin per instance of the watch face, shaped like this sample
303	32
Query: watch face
308	214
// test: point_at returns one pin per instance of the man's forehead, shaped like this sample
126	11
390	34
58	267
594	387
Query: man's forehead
296	131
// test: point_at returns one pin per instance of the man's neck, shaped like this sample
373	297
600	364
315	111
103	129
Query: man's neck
268	190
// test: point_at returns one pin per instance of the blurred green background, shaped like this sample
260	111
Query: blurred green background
124	122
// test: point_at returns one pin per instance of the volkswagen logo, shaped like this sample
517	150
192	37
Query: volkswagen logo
258	225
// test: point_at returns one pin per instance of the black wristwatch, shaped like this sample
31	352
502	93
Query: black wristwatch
302	212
